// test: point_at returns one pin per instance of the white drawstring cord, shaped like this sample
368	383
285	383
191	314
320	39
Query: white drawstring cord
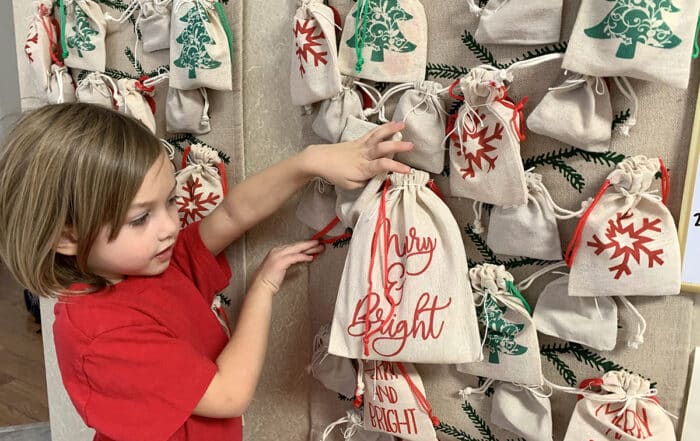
528	281
474	7
163	74
169	148
638	337
467	391
538	391
477	207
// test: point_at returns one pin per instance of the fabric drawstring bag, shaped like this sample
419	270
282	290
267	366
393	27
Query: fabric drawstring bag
350	204
154	23
404	293
354	429
137	102
650	40
518	22
187	111
395	402
316	208
41	45
201	46
61	87
83	39
534	224
523	410
510	346
424	114
385	40
619	406
98	88
314	74
578	112
485	135
335	373
201	184
626	243
333	113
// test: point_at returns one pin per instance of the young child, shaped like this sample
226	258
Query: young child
87	213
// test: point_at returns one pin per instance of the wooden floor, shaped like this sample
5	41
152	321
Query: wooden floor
22	377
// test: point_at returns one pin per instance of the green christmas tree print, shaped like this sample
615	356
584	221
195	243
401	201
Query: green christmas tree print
193	39
637	21
381	23
80	41
500	333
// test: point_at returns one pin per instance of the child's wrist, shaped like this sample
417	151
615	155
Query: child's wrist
310	160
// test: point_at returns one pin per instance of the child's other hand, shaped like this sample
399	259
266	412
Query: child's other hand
350	164
274	267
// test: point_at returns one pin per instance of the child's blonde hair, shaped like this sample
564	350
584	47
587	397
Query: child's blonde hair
67	165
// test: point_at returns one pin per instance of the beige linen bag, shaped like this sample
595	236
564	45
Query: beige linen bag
316	207
333	113
335	373
41	44
354	429
154	23
134	102
519	22
187	111
201	184
84	32
61	87
98	88
522	410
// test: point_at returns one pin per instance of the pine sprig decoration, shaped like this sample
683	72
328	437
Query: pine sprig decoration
593	359
575	178
549	157
621	117
478	422
556	48
190	139
610	158
341	243
134	62
480	51
119	74
439	70
483	3
480	244
455	432
563	369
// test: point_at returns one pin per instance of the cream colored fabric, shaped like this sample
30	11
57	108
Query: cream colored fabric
85	33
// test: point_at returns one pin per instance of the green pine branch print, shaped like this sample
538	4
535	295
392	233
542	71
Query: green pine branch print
575	178
480	244
189	139
81	40
621	117
455	432
194	39
341	243
134	62
483	3
610	159
445	71
566	373
556	48
480	51
478	422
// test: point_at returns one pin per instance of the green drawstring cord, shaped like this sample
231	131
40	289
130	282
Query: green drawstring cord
227	28
62	9
513	290
696	50
360	34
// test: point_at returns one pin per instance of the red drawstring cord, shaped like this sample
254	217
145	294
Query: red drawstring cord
433	186
576	240
220	166
518	119
222	313
48	27
146	91
319	236
424	403
451	91
665	182
185	154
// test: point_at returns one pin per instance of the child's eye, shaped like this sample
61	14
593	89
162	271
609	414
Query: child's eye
139	220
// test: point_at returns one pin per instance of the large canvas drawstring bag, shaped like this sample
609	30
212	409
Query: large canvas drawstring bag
404	293
335	373
485	135
650	40
355	429
385	40
578	112
333	113
187	111
626	242
518	22
534	224
201	184
136	101
61	87
41	45
200	46
314	74
510	346
395	402
83	38
523	410
98	88
154	23
316	210
619	406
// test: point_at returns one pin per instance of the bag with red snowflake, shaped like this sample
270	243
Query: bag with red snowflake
485	135
335	373
187	111
61	87
404	294
83	39
316	208
333	113
154	24
135	100
523	410
200	46
509	337
578	112
354	429
518	22
97	88
650	40
201	184
626	242
41	45
619	406
385	40
314	73
394	401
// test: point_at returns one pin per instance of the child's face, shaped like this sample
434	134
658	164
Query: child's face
144	244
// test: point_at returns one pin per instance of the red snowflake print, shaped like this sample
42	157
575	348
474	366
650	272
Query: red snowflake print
192	205
31	43
625	241
475	145
304	33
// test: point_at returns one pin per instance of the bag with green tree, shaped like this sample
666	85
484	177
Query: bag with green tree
83	37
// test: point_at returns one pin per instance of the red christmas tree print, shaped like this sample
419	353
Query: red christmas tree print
193	206
475	145
308	43
626	241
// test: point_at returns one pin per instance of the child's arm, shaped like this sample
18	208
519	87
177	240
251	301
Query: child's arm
347	165
241	361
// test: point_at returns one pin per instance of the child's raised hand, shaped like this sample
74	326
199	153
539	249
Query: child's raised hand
273	269
350	164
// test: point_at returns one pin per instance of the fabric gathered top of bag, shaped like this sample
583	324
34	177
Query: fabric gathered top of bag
320	348
353	421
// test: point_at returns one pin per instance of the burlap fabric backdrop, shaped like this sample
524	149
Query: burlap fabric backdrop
663	129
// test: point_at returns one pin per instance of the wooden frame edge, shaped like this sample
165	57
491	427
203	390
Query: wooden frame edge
688	189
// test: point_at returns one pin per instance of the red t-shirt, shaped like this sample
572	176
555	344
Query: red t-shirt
137	357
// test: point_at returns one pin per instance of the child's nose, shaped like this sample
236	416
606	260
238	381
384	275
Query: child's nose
170	224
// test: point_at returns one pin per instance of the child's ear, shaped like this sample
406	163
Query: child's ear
67	242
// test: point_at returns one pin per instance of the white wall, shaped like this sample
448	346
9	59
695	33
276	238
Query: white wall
9	85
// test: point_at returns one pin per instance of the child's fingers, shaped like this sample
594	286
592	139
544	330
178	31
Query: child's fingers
382	165
384	131
388	148
299	247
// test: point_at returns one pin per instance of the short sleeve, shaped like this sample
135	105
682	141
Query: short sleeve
209	273
143	383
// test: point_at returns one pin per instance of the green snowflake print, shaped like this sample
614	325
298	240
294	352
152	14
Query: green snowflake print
382	28
500	333
81	40
194	39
